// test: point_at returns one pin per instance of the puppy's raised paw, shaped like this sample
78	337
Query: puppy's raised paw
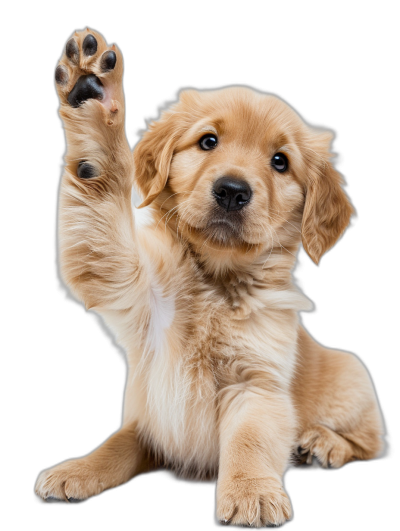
90	69
253	502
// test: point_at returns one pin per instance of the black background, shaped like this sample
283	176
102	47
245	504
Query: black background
330	71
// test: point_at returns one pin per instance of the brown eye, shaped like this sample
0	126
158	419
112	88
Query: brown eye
280	162
208	142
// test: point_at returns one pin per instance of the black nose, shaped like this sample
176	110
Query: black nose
231	193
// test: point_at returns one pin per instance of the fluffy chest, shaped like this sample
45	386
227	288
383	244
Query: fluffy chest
214	351
210	330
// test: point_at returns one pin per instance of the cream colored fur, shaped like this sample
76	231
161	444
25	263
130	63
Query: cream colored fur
223	381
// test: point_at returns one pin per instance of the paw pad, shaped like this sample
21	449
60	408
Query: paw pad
86	170
89	45
108	61
61	75
85	88
72	51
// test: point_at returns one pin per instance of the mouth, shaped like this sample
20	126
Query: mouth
218	222
223	230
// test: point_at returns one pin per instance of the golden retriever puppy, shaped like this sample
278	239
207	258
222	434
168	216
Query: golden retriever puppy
197	286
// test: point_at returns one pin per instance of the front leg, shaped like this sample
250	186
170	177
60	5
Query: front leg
256	437
99	259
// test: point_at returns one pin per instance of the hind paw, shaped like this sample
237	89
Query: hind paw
330	448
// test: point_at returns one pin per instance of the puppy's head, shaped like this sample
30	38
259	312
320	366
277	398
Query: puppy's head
235	169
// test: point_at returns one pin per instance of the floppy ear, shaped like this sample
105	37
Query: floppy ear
153	156
327	209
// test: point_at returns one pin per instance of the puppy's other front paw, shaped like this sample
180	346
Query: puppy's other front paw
70	481
252	502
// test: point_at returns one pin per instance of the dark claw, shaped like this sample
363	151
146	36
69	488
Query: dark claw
52	499
108	61
316	461
86	87
72	50
74	500
300	449
86	170
89	45
61	75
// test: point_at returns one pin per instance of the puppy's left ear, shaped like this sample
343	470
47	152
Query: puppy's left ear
327	209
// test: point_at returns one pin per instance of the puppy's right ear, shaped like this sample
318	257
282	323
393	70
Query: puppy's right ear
153	155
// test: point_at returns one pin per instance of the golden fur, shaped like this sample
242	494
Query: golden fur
222	378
